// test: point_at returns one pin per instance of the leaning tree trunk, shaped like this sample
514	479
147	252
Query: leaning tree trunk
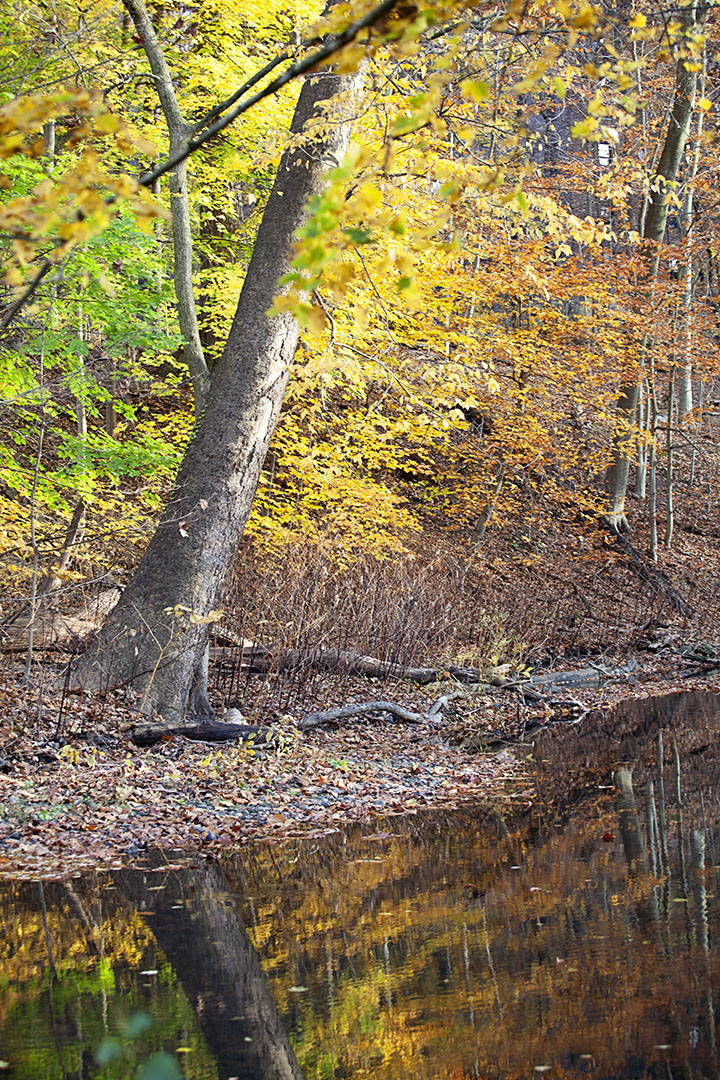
653	231
153	641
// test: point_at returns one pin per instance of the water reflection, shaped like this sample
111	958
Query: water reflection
575	939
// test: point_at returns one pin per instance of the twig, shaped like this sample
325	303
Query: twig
332	46
18	304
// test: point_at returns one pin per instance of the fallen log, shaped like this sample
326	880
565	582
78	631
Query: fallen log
340	662
258	658
331	716
51	630
207	730
203	731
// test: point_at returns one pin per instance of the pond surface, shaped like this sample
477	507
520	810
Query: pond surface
578	937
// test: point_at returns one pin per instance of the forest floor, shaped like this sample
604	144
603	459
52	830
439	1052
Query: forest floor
77	794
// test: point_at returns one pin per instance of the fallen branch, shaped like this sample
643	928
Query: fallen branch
438	707
203	731
523	685
331	716
648	571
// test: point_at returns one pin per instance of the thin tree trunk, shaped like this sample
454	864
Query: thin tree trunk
652	503
693	458
639	489
152	641
488	510
652	231
669	484
179	134
685	396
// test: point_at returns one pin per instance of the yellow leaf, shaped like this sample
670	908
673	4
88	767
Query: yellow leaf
350	59
368	196
584	128
475	90
638	21
107	124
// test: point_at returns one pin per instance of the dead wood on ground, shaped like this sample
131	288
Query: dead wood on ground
202	731
331	716
659	582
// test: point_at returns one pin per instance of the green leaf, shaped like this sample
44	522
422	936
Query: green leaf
358	235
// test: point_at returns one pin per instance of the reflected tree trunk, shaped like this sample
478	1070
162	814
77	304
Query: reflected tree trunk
195	922
634	846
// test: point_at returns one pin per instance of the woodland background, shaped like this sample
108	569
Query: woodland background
476	289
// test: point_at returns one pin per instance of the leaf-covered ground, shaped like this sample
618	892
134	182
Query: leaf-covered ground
76	793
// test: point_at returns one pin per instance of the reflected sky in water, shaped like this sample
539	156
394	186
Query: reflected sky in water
576	937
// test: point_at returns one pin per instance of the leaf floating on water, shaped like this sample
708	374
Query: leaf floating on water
297	990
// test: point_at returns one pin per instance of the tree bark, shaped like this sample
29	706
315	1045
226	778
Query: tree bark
179	133
652	231
685	392
153	642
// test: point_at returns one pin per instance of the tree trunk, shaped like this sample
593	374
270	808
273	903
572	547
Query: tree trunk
179	134
153	640
653	231
642	455
685	394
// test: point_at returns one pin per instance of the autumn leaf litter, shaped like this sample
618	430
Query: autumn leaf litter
82	796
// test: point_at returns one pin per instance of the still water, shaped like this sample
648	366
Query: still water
574	938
